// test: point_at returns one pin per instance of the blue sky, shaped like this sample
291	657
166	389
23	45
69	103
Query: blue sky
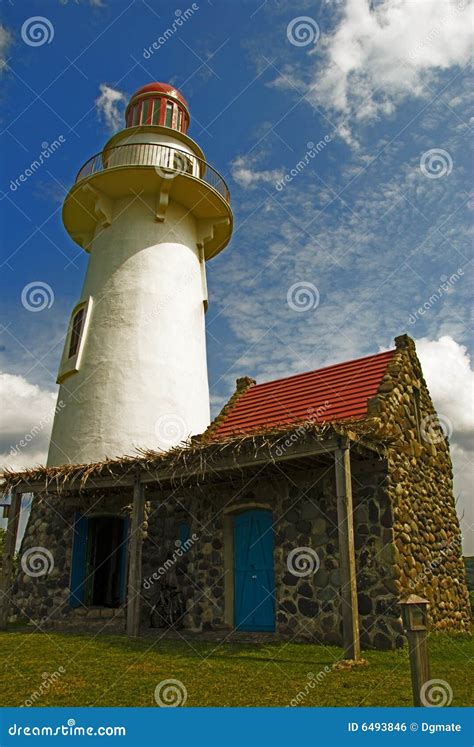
373	225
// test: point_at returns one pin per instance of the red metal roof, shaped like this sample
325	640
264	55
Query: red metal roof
157	87
338	392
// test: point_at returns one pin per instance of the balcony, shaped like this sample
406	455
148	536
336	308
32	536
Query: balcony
167	161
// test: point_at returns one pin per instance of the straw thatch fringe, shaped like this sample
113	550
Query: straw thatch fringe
199	455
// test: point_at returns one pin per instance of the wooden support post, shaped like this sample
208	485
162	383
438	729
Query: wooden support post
350	608
8	557
135	560
415	623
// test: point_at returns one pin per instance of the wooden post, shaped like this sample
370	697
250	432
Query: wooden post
135	560
415	617
350	608
8	557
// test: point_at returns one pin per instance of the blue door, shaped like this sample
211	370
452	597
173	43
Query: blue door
254	583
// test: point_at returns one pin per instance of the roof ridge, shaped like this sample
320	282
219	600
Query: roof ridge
325	368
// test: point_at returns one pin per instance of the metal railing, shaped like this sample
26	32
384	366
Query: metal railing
166	160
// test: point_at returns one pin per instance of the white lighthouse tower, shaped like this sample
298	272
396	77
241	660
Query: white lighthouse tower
150	211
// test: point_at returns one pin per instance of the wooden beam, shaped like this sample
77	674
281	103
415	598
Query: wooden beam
135	559
8	557
350	609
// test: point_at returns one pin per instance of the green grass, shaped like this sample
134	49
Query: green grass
111	670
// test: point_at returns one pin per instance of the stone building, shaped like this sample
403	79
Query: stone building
309	508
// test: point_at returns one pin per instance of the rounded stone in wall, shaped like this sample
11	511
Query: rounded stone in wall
306	590
365	604
288	606
308	607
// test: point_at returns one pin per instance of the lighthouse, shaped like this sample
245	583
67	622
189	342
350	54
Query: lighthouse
150	212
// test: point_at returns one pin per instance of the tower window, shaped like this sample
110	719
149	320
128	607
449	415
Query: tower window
76	331
136	114
180	119
156	111
169	115
145	111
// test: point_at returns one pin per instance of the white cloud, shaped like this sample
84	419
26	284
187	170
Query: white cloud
27	418
6	41
247	176
110	106
450	379
381	53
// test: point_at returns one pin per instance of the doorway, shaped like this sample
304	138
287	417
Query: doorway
98	572
254	580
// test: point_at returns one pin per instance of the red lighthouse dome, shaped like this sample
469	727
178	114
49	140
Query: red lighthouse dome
158	104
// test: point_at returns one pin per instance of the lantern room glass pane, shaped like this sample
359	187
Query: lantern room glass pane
180	120
136	110
156	111
145	111
169	114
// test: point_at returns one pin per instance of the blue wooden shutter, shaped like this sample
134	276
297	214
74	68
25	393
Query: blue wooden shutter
184	531
78	564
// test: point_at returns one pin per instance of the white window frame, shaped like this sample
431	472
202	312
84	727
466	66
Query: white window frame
70	365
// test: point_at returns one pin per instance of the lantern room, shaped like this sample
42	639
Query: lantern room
158	104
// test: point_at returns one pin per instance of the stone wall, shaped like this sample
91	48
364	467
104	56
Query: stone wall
41	597
308	606
427	557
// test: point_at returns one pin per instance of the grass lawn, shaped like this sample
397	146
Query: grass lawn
109	670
